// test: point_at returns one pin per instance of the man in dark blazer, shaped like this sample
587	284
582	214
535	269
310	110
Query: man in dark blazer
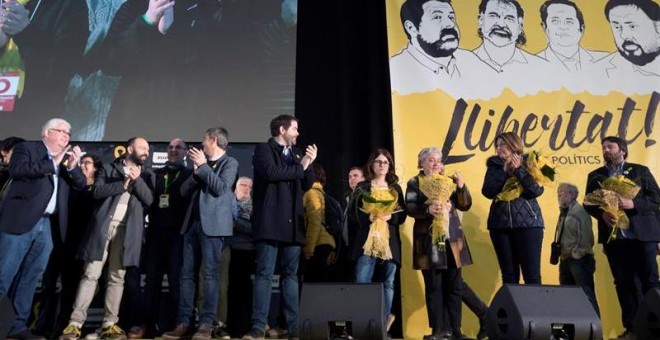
124	191
281	176
632	252
35	204
207	225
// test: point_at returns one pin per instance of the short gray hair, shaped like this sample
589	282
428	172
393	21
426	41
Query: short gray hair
425	152
53	123
572	189
244	179
221	136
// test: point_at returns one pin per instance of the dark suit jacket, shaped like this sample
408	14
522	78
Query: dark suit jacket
644	218
277	194
31	171
213	189
108	188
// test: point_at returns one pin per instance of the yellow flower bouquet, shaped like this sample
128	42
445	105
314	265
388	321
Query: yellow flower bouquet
379	202
538	167
437	187
607	198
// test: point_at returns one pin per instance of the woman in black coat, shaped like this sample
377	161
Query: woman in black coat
516	226
380	175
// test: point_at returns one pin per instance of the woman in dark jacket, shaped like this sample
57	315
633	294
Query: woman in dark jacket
380	175
441	269
516	226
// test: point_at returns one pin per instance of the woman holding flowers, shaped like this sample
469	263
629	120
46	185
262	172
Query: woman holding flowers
439	246
515	221
377	214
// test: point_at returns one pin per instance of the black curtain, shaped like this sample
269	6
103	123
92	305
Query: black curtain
343	98
342	83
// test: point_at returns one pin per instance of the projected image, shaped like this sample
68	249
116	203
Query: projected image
158	68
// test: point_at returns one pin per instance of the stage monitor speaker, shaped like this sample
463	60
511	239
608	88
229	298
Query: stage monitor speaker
342	311
542	312
7	316
647	321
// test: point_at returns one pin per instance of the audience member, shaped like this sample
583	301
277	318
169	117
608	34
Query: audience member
6	148
377	246
241	266
576	239
281	175
319	251
124	191
41	174
206	227
515	225
164	246
63	263
631	251
439	245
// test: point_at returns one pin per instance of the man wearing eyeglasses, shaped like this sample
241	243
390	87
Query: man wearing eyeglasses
164	241
41	174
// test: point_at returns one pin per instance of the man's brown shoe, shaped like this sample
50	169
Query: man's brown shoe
180	332
204	332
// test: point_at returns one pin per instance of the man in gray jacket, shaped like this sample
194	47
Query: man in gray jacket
207	224
124	191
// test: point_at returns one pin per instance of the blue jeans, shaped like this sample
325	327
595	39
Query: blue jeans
23	259
518	249
364	273
266	258
198	247
580	272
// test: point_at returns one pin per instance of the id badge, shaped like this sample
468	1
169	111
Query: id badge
164	201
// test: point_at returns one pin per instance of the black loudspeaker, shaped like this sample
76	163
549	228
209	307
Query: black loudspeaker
342	311
647	321
7	316
542	312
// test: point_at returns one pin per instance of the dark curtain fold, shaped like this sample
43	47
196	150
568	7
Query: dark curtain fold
343	90
342	83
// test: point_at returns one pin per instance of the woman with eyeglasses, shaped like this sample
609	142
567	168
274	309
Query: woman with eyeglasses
377	213
81	207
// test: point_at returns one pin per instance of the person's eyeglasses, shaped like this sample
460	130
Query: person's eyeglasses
175	147
61	131
379	162
87	162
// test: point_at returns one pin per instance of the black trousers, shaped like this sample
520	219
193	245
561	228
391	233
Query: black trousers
443	296
239	292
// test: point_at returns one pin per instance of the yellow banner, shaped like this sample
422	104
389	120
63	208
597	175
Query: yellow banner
579	76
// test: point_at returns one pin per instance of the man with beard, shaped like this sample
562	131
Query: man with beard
501	28
631	252
563	24
636	29
281	175
124	191
432	59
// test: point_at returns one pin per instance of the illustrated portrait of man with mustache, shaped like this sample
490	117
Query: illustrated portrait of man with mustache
635	27
432	58
501	29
